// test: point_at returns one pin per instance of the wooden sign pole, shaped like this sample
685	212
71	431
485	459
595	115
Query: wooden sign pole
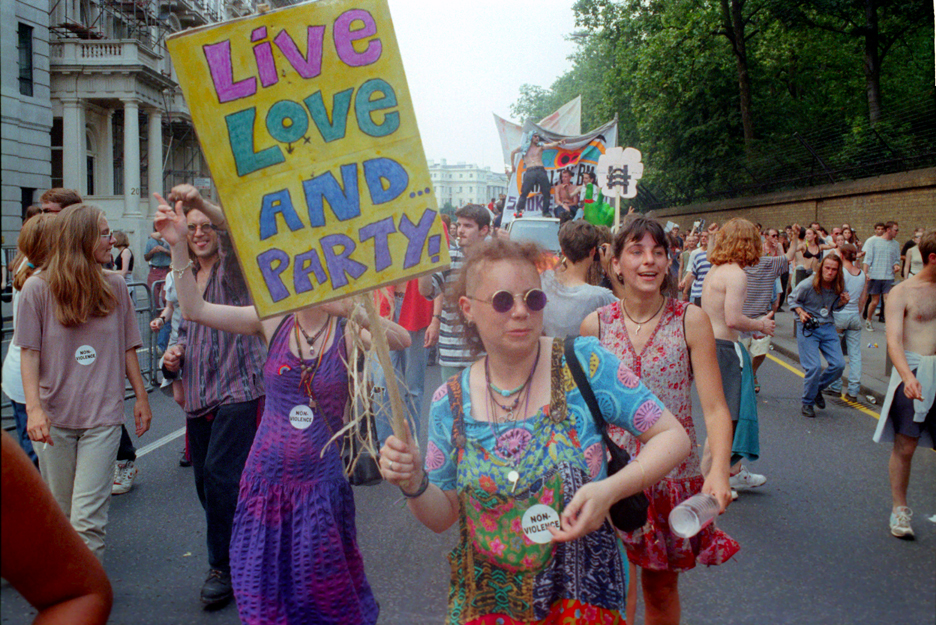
382	347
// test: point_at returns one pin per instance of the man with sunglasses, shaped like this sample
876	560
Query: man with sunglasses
222	381
761	291
473	226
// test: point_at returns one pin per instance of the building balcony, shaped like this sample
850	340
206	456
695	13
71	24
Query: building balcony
104	54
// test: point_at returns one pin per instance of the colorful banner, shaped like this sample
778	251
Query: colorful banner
579	155
565	120
306	122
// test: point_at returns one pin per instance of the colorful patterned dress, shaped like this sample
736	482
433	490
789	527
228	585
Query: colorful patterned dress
664	366
294	553
500	575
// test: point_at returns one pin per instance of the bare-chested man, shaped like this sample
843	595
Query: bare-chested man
908	413
534	172
737	245
567	197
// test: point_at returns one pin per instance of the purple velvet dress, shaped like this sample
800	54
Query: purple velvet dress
294	553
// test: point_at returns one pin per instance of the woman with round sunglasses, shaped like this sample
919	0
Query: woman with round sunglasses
666	343
515	458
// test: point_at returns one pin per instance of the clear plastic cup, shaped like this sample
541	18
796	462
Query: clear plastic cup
688	518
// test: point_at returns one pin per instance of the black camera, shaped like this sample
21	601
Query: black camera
810	324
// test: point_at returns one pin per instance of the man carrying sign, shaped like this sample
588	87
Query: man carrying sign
222	378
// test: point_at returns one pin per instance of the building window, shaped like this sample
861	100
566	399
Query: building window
56	144
27	195
25	47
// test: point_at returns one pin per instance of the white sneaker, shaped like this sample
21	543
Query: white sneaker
900	522
744	480
124	474
868	325
734	495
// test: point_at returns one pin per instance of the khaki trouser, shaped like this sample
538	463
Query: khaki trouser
79	470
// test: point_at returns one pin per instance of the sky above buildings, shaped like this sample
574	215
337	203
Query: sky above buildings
467	60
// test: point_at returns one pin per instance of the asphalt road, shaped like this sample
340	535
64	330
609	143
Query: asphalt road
815	547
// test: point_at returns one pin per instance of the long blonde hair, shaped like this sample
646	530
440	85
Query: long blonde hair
75	279
34	245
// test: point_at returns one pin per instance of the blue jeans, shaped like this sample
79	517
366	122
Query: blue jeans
851	326
822	340
162	339
19	414
410	366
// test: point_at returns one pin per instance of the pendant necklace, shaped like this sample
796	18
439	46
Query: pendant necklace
311	339
518	391
640	324
309	371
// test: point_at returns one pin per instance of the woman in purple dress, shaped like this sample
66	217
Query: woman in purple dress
294	553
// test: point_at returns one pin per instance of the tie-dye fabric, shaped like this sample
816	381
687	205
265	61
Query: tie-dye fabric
498	574
294	552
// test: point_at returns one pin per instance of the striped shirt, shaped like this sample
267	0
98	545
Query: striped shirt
452	349
221	368
760	284
699	267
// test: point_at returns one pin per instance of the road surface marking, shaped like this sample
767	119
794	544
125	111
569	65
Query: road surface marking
796	371
168	438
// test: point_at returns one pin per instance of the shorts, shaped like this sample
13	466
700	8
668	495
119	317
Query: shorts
757	347
901	417
880	287
729	363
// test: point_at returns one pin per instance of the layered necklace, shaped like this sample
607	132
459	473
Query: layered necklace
309	370
521	392
311	339
640	324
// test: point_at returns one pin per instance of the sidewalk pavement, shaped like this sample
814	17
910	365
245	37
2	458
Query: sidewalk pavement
874	380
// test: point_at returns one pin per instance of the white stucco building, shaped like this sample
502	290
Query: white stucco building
92	104
462	183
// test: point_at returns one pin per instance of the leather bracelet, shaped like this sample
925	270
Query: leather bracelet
419	491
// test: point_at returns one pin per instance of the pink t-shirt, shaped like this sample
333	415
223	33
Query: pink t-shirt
81	369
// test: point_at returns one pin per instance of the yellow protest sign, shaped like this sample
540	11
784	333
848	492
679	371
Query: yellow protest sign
306	122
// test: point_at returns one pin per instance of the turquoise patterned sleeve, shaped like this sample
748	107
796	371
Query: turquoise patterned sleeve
622	397
440	462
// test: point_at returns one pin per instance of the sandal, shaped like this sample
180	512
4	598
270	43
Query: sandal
756	385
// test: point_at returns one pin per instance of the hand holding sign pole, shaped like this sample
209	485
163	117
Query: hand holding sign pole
617	174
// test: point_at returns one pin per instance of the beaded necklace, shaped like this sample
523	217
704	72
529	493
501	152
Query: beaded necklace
309	371
525	390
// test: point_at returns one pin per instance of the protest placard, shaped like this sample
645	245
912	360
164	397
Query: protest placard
306	122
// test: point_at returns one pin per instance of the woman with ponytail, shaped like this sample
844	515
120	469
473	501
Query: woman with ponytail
79	337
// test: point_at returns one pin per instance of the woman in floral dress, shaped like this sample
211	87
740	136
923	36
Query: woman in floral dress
665	342
514	456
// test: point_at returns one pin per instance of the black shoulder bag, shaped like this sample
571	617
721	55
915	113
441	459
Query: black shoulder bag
628	514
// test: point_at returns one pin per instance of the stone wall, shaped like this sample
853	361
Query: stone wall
908	198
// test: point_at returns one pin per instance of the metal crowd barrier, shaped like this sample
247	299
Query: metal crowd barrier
146	307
